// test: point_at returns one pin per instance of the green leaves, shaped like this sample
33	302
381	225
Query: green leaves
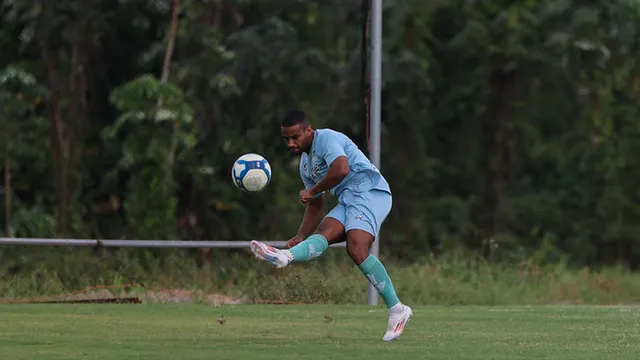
19	86
144	92
567	139
159	132
146	103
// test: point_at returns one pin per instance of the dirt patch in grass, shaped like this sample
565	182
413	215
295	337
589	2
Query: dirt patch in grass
161	296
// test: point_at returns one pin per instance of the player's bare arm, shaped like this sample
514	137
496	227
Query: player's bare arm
312	216
338	170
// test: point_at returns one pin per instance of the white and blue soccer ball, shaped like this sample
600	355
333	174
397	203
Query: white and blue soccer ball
251	172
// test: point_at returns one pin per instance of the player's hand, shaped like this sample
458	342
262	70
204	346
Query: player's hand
294	241
306	196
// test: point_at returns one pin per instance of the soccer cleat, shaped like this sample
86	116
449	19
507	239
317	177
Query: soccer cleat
276	257
397	322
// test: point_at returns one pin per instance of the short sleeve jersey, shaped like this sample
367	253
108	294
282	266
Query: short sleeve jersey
328	145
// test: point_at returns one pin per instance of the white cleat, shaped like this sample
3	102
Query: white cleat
397	322
276	257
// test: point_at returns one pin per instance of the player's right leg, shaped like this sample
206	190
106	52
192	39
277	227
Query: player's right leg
330	231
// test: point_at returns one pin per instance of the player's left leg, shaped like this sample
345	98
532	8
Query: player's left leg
365	214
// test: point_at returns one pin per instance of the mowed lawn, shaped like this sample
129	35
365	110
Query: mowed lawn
155	331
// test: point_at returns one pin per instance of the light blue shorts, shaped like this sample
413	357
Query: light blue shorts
362	210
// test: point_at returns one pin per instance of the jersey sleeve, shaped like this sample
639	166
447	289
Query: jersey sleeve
331	148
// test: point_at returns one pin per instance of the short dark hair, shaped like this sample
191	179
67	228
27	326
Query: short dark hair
295	117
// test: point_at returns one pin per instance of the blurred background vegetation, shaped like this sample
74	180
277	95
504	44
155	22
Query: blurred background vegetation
510	128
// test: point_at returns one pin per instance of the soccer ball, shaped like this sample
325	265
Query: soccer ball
251	172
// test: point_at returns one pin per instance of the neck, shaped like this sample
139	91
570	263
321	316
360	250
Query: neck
313	135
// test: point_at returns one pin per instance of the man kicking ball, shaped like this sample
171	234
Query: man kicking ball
331	161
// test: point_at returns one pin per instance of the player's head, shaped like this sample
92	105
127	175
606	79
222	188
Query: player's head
297	132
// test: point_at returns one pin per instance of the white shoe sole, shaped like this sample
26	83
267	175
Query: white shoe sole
402	324
262	252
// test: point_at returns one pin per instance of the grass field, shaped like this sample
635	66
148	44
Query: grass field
156	331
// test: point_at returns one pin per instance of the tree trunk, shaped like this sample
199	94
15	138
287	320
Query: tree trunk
212	18
77	97
166	69
68	135
500	156
60	142
173	29
7	182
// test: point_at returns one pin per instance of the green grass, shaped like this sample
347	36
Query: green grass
152	331
452	279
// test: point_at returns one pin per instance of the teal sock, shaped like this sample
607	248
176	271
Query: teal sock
377	275
309	249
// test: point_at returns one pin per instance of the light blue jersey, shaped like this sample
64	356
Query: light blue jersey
327	146
364	196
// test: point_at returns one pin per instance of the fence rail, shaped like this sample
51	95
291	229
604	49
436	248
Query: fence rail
220	244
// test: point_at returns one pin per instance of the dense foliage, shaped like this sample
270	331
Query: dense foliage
508	126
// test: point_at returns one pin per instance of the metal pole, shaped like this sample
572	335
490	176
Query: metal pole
217	244
376	71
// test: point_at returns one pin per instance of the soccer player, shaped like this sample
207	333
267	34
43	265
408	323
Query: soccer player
331	161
